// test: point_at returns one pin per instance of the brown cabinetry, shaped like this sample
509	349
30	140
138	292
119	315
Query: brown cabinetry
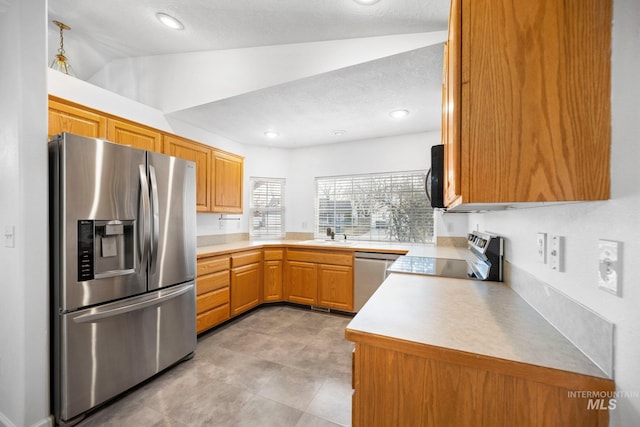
212	289
219	175
320	278
134	135
527	89
201	156
246	281
397	383
64	117
272	266
335	287
227	182
302	282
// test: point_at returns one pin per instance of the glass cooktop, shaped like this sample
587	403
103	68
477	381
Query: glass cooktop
444	267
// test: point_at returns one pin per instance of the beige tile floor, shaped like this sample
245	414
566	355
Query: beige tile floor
276	366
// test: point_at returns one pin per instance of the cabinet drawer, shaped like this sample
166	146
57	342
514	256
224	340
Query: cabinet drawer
211	318
212	282
211	265
321	257
273	254
212	299
245	258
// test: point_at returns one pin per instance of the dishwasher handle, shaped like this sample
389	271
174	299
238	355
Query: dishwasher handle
377	255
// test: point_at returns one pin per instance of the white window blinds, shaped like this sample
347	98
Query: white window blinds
379	207
267	208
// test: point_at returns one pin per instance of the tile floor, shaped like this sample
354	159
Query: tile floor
276	366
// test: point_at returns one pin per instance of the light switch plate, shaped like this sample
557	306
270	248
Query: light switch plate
609	266
541	244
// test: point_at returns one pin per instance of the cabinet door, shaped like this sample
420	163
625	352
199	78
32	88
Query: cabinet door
212	289
451	108
302	282
245	288
227	182
136	136
69	118
272	280
335	287
201	156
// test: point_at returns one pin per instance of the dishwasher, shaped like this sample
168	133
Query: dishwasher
370	272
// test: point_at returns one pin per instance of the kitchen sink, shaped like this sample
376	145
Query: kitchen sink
341	242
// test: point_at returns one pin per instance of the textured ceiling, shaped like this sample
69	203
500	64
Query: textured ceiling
308	111
356	99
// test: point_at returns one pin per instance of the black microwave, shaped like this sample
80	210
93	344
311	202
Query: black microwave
434	184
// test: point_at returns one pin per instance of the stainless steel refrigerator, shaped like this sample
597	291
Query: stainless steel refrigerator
123	261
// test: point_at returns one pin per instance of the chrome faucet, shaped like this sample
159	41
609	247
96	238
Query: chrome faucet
332	234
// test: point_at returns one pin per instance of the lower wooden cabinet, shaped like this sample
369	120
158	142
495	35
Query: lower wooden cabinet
246	281
273	274
320	278
403	384
228	285
213	292
302	282
335	287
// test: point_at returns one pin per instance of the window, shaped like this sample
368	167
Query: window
380	207
267	208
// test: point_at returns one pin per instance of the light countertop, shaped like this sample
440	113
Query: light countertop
414	249
471	316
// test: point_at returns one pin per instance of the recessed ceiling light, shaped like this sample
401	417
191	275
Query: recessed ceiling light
271	134
339	132
398	114
366	2
169	21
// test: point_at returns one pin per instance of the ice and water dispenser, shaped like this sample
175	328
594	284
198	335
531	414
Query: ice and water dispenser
105	248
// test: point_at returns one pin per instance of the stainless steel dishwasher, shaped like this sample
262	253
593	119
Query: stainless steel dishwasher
370	272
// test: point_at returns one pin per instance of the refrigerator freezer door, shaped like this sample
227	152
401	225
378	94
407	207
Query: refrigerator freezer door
173	229
107	349
95	200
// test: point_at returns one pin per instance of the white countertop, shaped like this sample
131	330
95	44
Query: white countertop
471	316
413	249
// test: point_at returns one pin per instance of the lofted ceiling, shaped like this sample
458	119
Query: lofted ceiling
305	108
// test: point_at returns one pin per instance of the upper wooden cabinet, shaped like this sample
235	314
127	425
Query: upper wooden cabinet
65	117
227	182
527	89
219	175
137	136
201	156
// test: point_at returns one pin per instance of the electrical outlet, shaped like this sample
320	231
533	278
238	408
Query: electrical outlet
9	236
609	266
541	244
556	255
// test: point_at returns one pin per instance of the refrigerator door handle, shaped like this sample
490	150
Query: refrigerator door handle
145	303
146	215
155	218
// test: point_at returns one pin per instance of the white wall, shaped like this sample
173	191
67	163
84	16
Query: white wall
583	224
401	153
24	323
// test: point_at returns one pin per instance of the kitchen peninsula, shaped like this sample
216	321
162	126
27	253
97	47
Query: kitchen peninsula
435	351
